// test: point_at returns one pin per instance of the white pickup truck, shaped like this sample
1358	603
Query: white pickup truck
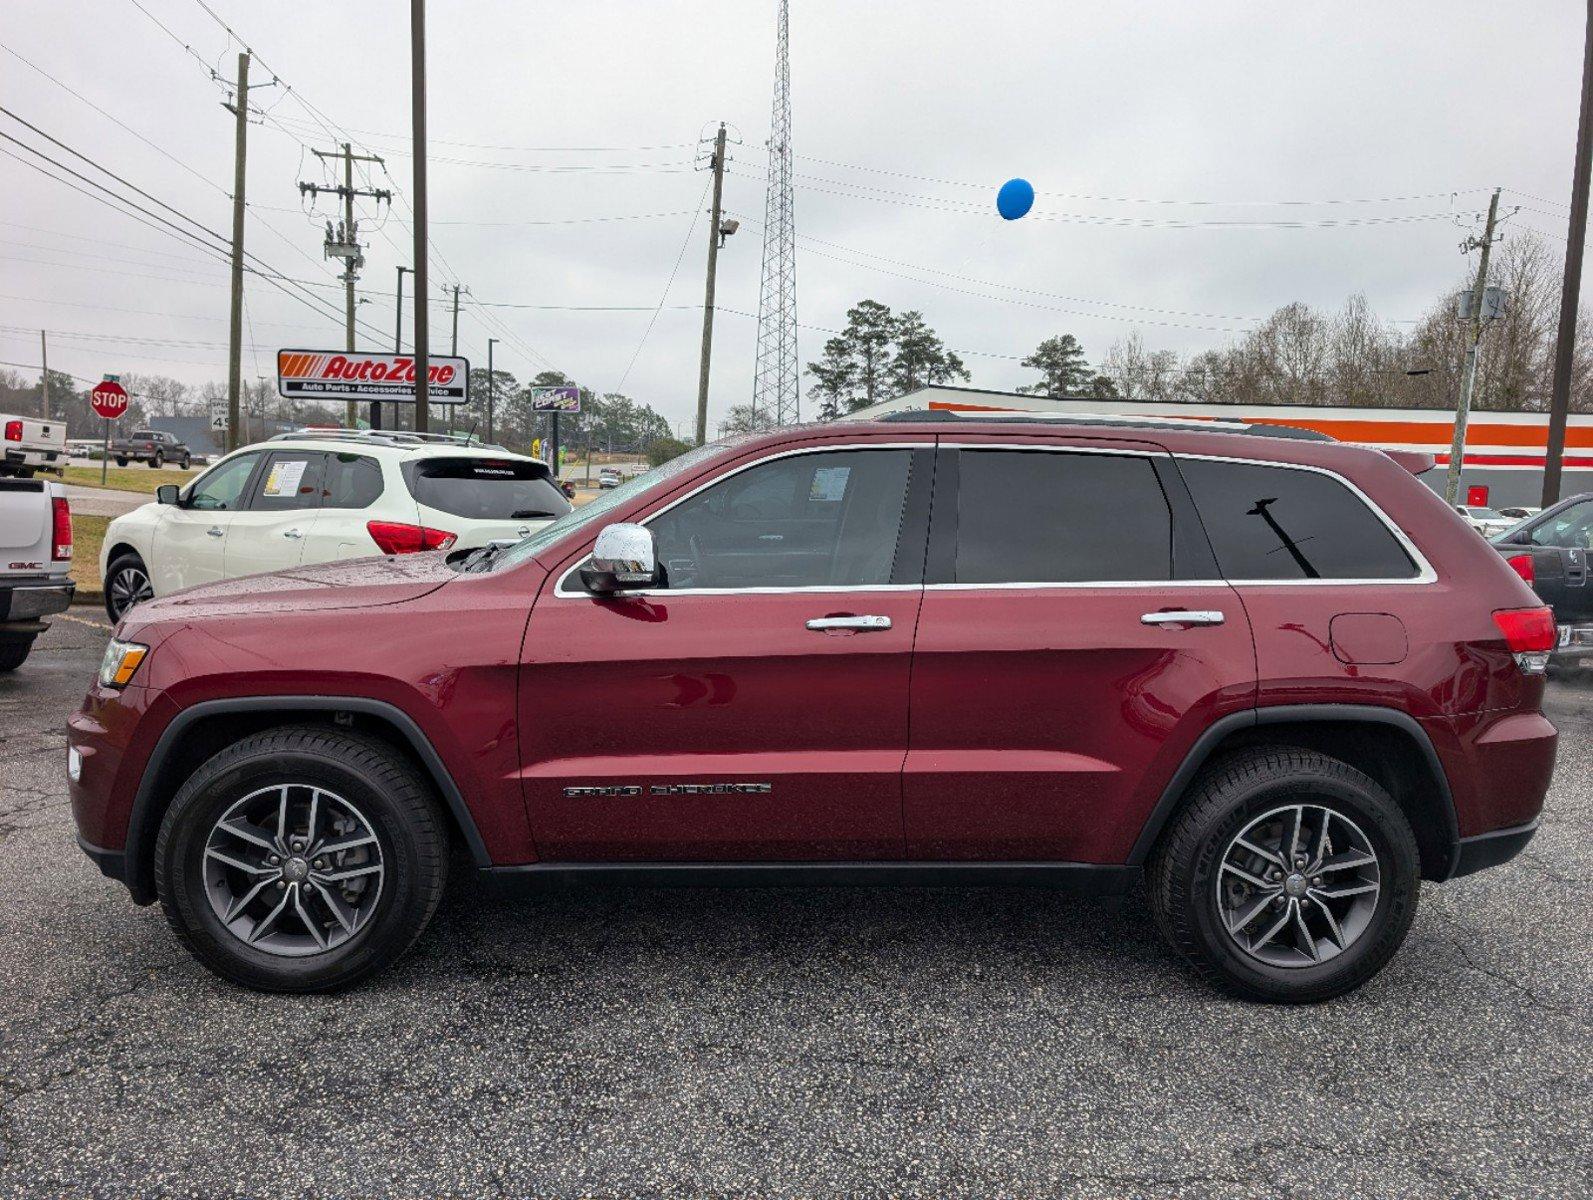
31	444
35	558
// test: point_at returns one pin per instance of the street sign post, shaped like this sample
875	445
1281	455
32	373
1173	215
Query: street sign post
109	400
556	400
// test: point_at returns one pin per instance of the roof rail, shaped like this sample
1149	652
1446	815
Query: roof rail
1130	421
390	437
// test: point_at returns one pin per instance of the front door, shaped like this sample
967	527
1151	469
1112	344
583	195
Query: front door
1073	643
269	534
746	710
190	541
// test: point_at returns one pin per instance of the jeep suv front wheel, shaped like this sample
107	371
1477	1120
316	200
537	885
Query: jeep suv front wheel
1288	876
301	859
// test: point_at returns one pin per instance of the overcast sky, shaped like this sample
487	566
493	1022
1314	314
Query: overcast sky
1133	120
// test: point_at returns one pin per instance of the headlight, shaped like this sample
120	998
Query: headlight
120	661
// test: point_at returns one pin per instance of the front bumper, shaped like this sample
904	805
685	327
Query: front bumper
112	863
27	601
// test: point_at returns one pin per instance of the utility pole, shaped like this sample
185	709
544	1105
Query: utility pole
491	386
398	343
1565	345
1468	379
240	109
44	358
417	78
344	242
453	344
716	237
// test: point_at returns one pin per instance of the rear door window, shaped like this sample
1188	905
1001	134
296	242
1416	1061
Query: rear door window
291	479
1047	516
352	481
1269	523
486	489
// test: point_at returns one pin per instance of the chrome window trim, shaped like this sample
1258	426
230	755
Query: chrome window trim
1425	572
583	594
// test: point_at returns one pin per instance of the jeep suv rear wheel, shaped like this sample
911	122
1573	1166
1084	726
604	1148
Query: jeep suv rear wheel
1288	876
301	859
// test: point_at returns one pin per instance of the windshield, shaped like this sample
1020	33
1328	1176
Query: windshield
596	511
1485	514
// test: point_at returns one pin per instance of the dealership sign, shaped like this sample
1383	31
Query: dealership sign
356	375
556	399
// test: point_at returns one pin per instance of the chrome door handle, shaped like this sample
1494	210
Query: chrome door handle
216	531
1181	616
861	624
291	533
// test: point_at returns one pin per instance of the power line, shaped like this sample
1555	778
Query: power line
1152	201
669	283
854	191
170	228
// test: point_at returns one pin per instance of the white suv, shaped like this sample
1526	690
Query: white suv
314	497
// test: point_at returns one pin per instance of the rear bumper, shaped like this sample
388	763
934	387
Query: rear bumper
1575	643
1487	849
27	602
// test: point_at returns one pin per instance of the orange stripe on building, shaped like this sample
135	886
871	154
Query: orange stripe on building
1371	429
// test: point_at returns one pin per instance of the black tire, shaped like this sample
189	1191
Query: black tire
121	462
1185	872
157	460
399	809
14	652
120	583
186	461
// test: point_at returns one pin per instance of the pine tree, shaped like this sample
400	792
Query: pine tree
1061	360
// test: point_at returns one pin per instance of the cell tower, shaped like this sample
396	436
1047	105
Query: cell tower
775	382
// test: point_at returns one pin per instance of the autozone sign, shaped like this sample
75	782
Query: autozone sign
356	375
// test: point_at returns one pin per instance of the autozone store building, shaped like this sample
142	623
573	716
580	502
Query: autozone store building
1504	450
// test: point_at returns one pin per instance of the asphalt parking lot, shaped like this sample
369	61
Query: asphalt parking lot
916	1042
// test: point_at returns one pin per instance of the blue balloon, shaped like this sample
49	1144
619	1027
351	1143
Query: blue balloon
1015	198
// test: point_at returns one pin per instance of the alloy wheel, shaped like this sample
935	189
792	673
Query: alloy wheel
127	587
293	869
1298	886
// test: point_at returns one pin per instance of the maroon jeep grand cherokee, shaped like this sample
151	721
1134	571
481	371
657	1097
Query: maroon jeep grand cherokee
1278	679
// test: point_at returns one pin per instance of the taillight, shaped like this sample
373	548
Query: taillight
1530	634
13	431
1521	564
396	537
61	539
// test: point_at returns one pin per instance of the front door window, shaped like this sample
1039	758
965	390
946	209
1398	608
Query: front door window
806	521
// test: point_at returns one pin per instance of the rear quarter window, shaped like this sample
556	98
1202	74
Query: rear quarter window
486	489
1285	523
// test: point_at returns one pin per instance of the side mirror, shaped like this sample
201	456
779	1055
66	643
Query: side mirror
166	493
624	557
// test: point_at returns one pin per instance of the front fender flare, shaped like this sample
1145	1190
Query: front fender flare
144	819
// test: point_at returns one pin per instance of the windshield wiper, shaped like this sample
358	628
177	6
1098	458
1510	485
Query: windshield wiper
521	513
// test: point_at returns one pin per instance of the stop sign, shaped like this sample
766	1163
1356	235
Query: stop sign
109	399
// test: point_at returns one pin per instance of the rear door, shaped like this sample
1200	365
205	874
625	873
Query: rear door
755	707
281	507
1073	643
